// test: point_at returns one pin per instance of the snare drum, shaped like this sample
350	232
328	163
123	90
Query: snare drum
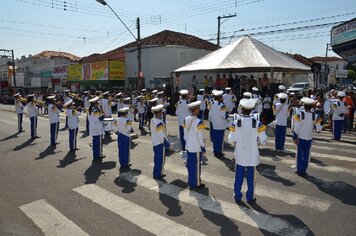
327	106
108	124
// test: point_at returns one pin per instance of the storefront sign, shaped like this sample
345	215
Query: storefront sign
343	33
95	71
74	72
60	70
46	74
117	70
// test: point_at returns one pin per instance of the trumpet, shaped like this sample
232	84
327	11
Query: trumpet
22	100
39	102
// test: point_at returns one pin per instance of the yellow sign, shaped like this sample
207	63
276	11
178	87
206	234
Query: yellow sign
95	71
117	70
74	72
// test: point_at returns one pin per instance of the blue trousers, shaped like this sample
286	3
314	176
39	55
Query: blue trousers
201	114
87	124
141	117
124	144
97	146
211	131
164	116
33	126
181	137
280	138
66	126
194	168
73	138
239	177
19	122
337	129
218	141
54	132
158	160
303	151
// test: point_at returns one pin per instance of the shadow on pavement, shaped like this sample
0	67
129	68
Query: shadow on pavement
345	192
96	168
174	209
10	137
227	226
50	150
127	186
69	159
84	134
268	171
25	144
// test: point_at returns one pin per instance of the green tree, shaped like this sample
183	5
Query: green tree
352	74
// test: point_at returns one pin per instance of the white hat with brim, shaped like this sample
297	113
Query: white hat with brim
282	87
247	94
16	94
94	100
143	90
106	93
227	88
282	96
341	94
184	92
30	95
118	95
201	90
217	93
248	104
139	97
67	90
154	91
307	101
127	99
194	105
154	100
124	110
51	97
255	89
160	93
70	102
157	108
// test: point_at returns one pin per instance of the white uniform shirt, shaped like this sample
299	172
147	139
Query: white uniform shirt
66	99
210	105
129	113
246	138
119	105
95	124
86	102
193	134
218	115
106	106
158	131
267	103
124	126
32	109
339	110
73	118
53	114
281	110
201	98
229	100
304	125
19	107
141	107
182	111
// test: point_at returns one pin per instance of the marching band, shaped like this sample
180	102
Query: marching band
249	124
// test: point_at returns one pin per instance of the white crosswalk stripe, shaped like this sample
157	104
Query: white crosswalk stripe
146	219
242	214
49	220
290	198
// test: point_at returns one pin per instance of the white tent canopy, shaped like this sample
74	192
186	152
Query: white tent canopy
245	55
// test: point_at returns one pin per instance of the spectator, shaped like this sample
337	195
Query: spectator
349	117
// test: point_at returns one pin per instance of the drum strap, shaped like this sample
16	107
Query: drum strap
239	122
254	123
313	115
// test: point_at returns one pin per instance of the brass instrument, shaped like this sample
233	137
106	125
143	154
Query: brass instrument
39	102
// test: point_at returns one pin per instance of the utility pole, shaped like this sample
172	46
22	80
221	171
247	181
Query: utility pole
139	52
220	23
326	75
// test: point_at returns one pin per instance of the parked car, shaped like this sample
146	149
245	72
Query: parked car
299	88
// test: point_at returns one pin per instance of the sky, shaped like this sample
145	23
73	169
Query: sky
84	27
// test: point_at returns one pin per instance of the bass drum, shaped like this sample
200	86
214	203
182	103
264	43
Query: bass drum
327	106
271	129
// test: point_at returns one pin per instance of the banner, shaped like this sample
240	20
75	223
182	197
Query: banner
95	71
74	72
117	70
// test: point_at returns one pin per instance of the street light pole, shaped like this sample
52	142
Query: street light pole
138	40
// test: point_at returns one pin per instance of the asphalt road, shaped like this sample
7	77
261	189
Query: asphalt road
51	191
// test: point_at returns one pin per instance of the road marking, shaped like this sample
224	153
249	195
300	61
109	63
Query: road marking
49	220
146	219
239	213
290	198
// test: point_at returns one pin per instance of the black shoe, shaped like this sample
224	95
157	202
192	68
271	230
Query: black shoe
129	165
201	186
36	137
102	157
76	149
219	155
237	201
252	201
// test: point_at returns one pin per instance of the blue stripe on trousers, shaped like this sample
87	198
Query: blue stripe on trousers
280	138
337	129
54	132
194	168
218	141
124	149
239	177
303	151
181	137
33	126
158	160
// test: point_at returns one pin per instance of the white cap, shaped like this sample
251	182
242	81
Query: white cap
282	87
127	99
16	94
94	100
307	101
155	91
51	97
217	93
282	96
70	101
119	94
248	104
227	88
106	93
124	110
157	108
341	94
154	100
30	95
139	97
67	90
247	95
184	92
201	90
143	90
160	93
254	89
194	105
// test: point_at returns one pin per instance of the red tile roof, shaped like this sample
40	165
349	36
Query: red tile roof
162	38
316	59
51	54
